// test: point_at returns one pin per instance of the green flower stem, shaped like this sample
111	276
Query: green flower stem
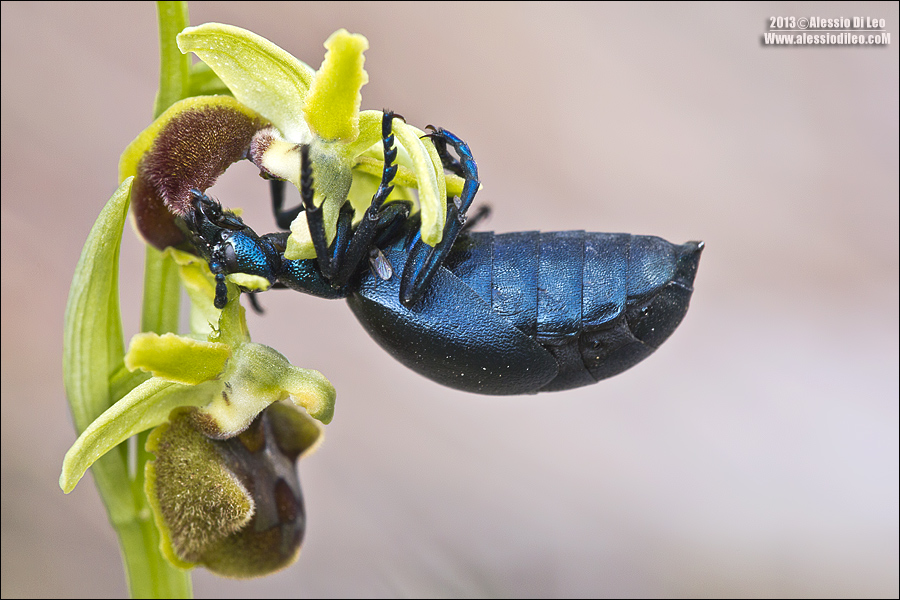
147	568
150	574
174	71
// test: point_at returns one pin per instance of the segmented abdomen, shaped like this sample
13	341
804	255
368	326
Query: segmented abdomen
599	302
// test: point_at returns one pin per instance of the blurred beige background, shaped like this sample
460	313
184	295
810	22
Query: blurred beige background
755	454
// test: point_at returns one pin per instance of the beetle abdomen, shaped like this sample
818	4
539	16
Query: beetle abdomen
627	316
598	302
452	336
527	312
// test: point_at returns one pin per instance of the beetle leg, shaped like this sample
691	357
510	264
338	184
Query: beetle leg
342	237
391	220
440	143
424	260
314	214
221	298
283	216
371	223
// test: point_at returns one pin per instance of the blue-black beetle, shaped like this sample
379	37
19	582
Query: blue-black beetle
512	313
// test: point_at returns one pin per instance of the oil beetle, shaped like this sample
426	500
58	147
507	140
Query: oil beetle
513	313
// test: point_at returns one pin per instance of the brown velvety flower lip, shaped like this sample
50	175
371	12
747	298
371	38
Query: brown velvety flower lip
191	151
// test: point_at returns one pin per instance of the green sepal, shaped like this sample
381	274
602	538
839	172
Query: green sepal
259	74
93	347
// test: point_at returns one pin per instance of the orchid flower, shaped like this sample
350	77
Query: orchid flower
321	109
214	395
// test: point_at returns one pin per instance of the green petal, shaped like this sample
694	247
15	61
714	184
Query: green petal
92	346
259	73
365	186
332	106
309	389
232	326
367	165
405	177
145	407
249	282
177	358
300	245
361	192
430	175
455	184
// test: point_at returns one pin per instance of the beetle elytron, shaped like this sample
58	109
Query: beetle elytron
513	313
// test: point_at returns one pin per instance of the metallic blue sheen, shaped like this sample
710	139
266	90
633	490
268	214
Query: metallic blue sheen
529	312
